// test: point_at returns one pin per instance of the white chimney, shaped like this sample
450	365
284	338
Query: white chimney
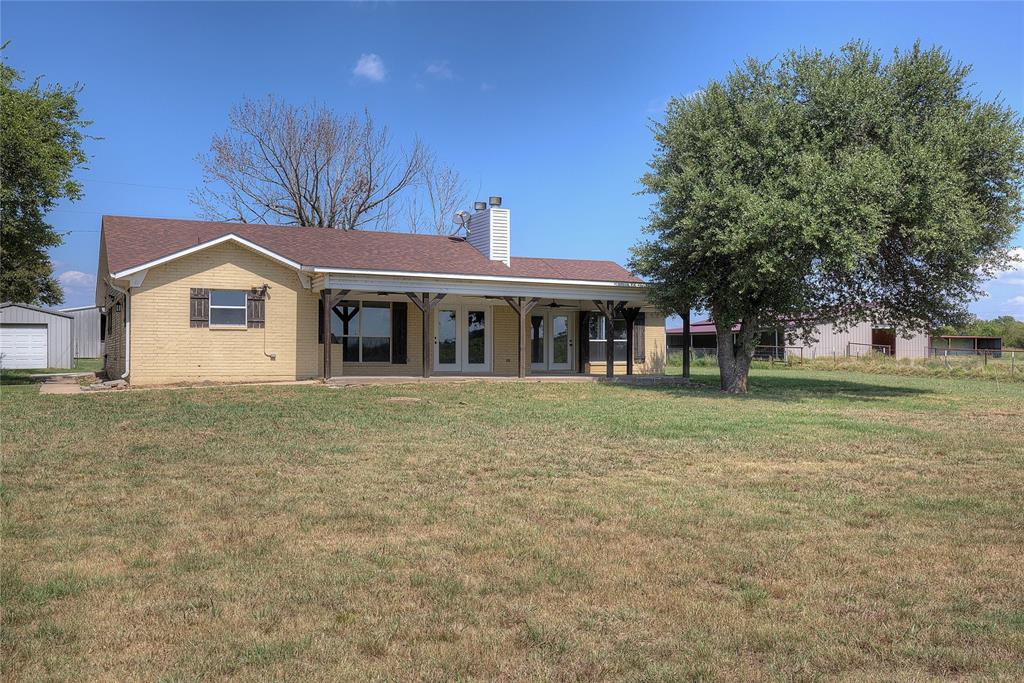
489	230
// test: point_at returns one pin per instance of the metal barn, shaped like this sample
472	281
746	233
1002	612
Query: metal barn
88	331
33	337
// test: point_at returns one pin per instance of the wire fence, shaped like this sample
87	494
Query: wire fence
966	362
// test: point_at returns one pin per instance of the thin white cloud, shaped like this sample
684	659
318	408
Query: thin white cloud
76	279
487	87
441	70
1017	300
371	67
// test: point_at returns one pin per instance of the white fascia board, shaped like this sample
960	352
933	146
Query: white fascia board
479	278
230	237
556	290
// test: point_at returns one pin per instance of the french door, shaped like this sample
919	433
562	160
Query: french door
462	338
550	341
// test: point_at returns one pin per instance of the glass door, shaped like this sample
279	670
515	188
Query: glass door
462	339
477	340
446	340
538	348
560	357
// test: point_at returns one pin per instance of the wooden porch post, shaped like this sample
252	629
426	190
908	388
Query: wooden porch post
426	305
607	308
325	299
523	309
427	343
630	315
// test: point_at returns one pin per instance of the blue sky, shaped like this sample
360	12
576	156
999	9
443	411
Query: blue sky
545	104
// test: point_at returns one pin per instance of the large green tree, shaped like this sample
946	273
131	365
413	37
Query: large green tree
830	188
40	145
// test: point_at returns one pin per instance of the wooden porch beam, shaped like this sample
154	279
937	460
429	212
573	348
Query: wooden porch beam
338	296
630	315
325	298
426	305
522	309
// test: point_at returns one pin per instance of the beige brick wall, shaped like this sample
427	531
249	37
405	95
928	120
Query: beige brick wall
505	341
166	349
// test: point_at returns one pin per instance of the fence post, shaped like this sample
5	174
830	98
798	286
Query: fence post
1013	358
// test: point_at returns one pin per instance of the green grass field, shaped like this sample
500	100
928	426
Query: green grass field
828	525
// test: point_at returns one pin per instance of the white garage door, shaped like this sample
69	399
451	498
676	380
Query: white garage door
23	346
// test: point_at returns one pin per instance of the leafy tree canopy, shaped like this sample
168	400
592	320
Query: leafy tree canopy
40	145
830	188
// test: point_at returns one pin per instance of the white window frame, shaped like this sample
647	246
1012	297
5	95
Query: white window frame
602	324
359	333
245	310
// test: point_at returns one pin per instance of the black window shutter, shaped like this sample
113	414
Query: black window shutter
399	332
255	302
199	308
639	352
583	339
320	320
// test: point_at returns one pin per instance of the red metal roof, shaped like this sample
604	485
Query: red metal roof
700	327
132	241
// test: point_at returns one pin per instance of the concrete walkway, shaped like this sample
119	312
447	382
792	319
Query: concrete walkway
63	384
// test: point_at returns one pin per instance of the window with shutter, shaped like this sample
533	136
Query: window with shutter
256	305
399	332
199	309
639	352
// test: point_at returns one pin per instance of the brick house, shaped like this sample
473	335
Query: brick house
194	300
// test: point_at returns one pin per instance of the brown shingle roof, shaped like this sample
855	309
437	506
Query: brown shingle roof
133	241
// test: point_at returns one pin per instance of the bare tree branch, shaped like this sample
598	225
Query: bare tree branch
305	166
442	191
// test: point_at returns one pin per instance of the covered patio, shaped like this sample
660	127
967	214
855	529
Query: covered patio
389	327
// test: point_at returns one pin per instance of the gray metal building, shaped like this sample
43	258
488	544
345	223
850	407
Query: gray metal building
33	337
88	331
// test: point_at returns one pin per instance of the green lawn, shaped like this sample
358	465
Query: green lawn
827	525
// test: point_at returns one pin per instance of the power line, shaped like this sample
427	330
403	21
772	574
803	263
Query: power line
119	182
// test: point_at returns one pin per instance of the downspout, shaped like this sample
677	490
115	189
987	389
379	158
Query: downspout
127	326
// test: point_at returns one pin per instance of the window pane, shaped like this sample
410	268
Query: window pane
620	350
376	319
596	351
476	337
620	328
227	316
350	349
559	339
446	349
596	326
537	339
223	297
345	319
376	349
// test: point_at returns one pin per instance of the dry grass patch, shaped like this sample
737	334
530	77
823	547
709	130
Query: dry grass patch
826	525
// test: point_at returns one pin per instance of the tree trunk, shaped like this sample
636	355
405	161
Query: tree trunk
734	358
